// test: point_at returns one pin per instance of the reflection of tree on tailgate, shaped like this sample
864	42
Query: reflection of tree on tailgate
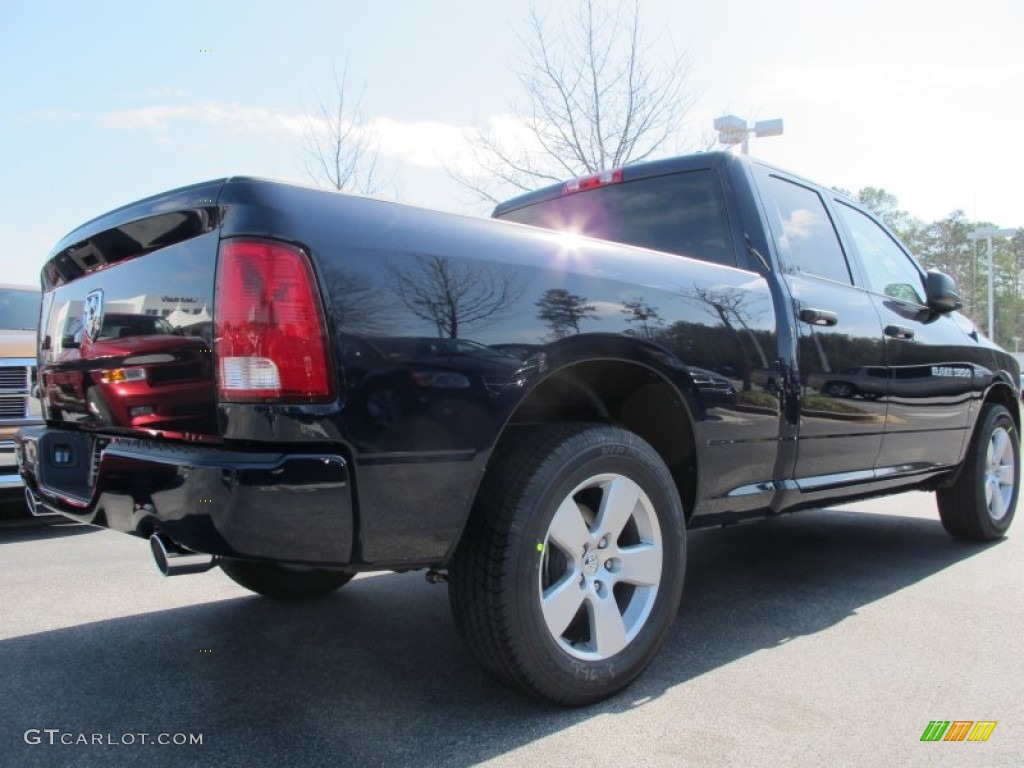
365	308
729	306
562	311
643	315
451	295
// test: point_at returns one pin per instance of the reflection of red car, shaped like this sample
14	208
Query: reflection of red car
138	372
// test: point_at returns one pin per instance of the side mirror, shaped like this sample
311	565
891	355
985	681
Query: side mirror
942	295
68	341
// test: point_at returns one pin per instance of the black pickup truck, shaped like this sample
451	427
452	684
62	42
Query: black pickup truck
534	409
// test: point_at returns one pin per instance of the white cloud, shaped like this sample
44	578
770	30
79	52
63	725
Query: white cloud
422	143
435	144
418	143
235	116
801	225
867	84
163	93
607	308
429	144
153	118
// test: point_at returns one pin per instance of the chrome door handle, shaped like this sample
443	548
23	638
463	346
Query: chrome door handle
899	332
819	316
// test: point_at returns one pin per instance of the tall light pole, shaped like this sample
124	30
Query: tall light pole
733	130
987	233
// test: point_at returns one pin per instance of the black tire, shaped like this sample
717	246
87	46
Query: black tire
514	562
282	582
980	505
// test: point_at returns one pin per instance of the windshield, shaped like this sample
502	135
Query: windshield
19	310
119	326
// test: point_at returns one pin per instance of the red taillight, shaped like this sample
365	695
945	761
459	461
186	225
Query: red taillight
589	182
270	339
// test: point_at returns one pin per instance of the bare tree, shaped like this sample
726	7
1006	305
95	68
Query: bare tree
451	295
360	306
340	152
595	99
725	304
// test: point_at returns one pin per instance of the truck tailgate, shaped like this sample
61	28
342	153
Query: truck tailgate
126	337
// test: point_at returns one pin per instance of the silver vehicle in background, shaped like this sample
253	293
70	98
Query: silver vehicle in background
19	317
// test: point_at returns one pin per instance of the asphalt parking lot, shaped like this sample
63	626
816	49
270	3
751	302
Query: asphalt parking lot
829	637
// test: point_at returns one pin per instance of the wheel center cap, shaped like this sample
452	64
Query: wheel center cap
590	562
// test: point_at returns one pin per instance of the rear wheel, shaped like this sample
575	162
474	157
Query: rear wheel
980	505
284	582
570	572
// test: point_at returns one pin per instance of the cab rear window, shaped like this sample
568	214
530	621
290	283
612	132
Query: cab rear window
682	213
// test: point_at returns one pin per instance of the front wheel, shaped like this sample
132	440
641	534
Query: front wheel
283	582
980	505
570	572
840	389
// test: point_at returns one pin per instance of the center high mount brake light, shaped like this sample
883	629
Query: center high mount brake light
601	179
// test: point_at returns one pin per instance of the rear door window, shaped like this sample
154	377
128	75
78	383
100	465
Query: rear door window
806	235
682	213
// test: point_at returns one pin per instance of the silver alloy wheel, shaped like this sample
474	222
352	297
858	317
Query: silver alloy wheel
1000	474
601	567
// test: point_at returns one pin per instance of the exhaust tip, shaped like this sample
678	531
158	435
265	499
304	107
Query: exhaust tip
171	560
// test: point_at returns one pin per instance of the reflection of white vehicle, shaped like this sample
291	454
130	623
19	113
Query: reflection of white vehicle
19	314
868	381
871	381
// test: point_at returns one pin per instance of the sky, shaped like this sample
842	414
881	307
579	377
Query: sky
103	103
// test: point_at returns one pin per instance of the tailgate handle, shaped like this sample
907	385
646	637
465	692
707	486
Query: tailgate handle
899	332
819	316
